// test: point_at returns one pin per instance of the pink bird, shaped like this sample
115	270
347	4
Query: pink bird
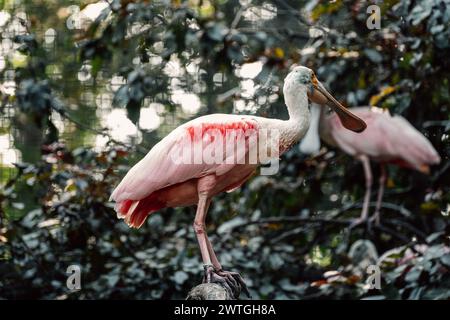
172	175
388	140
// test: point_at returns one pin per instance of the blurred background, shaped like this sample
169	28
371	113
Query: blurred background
88	87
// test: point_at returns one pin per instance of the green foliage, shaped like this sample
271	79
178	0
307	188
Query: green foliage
420	276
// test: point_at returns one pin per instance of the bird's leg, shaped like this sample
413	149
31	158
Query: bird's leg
234	277
199	228
368	176
215	262
382	181
231	281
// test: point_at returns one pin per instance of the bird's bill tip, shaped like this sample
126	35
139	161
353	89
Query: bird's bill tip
349	120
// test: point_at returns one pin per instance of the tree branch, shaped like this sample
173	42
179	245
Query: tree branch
83	126
208	291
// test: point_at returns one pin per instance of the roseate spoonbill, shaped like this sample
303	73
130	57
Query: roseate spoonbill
157	181
388	140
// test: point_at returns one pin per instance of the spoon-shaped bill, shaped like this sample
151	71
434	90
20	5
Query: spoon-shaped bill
348	119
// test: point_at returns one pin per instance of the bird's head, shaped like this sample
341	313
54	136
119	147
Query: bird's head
302	78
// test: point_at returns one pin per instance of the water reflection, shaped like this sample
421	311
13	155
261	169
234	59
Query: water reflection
92	104
8	155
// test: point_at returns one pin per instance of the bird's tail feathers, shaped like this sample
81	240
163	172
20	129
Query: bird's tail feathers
135	212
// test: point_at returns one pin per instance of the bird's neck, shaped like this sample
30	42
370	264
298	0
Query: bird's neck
310	143
299	116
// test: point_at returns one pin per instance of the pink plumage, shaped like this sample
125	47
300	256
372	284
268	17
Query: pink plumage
389	139
157	181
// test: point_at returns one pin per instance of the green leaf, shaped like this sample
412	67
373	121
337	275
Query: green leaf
434	236
180	277
373	55
419	13
445	259
413	275
217	32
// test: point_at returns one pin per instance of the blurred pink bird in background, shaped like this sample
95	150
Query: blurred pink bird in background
388	140
157	182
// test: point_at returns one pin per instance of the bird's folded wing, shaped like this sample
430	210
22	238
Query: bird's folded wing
166	165
386	138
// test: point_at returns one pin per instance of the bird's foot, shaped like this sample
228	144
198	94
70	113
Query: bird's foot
231	281
357	222
375	218
370	222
